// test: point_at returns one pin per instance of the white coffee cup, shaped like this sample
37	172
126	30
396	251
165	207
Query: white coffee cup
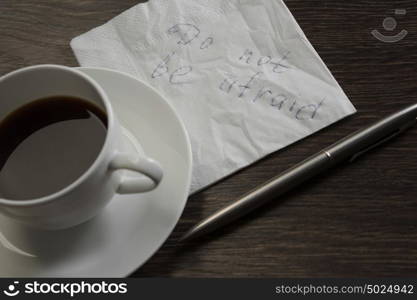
84	198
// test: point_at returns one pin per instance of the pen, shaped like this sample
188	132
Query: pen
347	149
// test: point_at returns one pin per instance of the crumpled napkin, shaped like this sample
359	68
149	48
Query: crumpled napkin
241	74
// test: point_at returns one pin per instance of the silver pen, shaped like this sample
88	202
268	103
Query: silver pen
347	149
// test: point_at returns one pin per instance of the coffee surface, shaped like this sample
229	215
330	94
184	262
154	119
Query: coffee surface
47	145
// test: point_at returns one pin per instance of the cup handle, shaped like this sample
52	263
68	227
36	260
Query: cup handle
146	166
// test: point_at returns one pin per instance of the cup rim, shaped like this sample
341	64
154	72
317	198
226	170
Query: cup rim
110	128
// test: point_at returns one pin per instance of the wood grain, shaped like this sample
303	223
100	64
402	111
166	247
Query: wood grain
357	220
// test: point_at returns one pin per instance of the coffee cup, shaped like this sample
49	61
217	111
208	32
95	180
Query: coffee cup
84	197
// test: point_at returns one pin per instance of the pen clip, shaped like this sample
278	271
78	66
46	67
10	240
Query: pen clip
383	140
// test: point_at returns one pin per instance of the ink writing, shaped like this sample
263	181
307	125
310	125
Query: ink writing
277	65
250	90
185	33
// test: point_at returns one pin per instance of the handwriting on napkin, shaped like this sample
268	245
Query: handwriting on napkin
188	35
241	74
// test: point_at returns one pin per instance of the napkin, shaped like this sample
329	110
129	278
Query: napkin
240	73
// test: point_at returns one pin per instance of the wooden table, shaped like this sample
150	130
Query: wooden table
357	220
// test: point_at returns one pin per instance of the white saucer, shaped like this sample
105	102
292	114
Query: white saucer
131	228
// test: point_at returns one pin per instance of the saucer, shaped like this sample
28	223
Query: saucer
132	227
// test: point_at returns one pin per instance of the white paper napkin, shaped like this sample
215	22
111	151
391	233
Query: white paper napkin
241	74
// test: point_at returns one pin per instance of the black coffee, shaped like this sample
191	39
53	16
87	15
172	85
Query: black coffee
47	144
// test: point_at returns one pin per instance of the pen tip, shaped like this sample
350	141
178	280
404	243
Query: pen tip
186	236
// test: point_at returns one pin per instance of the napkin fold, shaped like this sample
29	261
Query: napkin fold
240	73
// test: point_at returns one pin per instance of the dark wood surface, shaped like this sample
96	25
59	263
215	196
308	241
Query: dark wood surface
357	220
